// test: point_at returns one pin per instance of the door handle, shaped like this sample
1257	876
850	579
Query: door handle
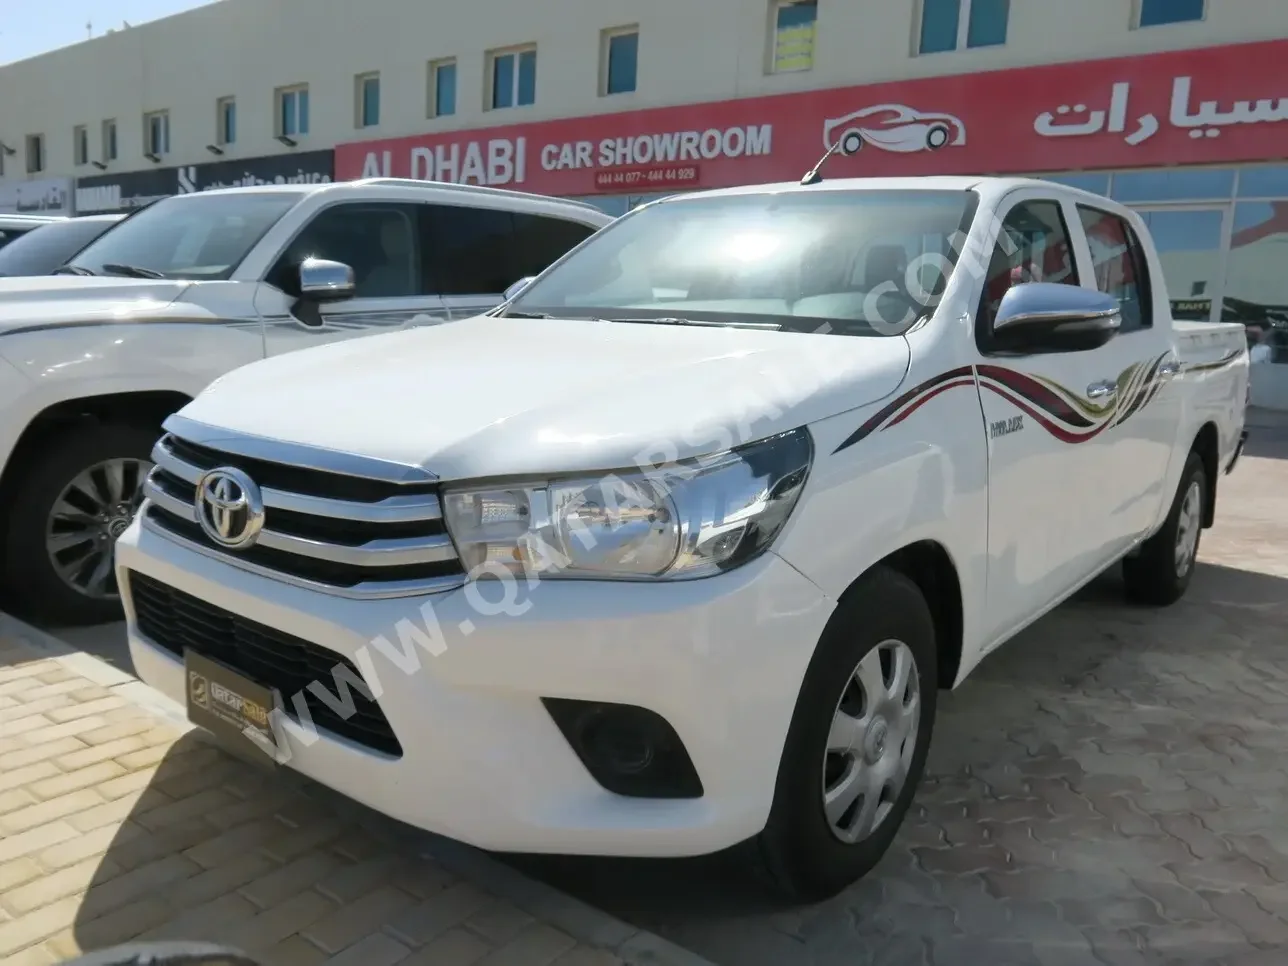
1098	390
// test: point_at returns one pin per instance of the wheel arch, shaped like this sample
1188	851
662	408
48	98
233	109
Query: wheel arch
145	408
1207	444
928	564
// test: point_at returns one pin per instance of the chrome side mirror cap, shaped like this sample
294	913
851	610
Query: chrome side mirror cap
1048	317
322	280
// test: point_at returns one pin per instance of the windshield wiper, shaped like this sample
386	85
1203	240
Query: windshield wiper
71	270
708	323
131	271
526	315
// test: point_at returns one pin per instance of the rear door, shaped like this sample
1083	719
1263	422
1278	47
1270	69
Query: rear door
1147	410
384	244
1051	476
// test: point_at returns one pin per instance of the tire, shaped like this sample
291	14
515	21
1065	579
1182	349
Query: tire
851	143
32	583
1160	573
937	137
798	851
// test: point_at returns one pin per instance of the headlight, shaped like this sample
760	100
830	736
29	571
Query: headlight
685	520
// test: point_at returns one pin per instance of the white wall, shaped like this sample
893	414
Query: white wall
690	51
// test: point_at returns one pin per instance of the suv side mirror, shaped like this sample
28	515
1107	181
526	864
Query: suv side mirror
518	287
1047	317
322	280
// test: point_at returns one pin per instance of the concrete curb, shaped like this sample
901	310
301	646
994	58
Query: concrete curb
582	922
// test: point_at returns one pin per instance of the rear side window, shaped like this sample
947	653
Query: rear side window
540	241
1119	263
378	241
1033	246
483	251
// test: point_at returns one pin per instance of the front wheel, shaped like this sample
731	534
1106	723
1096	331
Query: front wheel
1160	573
72	499
857	743
851	142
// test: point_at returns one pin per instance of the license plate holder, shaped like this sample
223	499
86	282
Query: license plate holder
238	712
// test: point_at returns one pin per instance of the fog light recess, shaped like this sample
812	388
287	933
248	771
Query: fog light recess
629	750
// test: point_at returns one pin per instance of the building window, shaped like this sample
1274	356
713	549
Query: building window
619	50
156	134
35	153
226	121
794	26
292	110
442	87
80	145
1156	12
514	77
958	24
109	141
367	100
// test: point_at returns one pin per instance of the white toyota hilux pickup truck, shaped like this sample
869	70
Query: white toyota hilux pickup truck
674	549
192	287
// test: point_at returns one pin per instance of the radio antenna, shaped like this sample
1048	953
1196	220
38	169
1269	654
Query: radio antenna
814	175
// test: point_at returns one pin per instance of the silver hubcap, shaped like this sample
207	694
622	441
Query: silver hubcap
91	512
1187	529
871	743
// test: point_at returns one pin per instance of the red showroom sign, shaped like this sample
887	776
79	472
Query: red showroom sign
1217	104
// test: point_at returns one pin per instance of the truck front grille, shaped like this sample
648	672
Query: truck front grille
349	535
177	622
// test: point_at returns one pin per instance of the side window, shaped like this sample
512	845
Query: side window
1120	266
378	241
1033	247
472	250
539	241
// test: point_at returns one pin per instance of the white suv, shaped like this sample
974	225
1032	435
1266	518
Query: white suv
15	226
195	286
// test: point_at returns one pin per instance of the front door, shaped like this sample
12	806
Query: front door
1051	479
383	244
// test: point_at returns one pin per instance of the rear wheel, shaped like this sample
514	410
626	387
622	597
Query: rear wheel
1160	572
937	136
851	142
857	742
73	498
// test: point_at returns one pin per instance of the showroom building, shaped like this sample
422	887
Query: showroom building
1172	106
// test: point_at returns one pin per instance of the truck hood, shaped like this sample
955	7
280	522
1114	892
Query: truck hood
494	396
46	300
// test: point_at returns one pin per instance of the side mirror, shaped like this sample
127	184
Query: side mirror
322	280
518	287
1046	317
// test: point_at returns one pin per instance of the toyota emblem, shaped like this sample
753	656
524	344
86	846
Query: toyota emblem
229	507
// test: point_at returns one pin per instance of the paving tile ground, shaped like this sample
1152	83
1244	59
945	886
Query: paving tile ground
118	822
1109	788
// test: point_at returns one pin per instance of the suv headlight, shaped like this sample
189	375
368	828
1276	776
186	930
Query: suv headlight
688	519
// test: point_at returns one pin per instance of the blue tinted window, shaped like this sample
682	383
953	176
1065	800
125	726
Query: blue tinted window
527	93
623	62
939	20
1096	183
444	90
503	81
288	114
303	110
371	102
1155	12
1264	182
1180	184
230	122
988	19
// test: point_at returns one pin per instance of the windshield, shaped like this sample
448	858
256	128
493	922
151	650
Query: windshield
848	262
41	251
189	236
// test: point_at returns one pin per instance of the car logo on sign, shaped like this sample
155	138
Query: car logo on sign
230	508
894	127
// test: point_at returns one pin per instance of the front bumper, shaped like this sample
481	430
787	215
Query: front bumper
720	659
